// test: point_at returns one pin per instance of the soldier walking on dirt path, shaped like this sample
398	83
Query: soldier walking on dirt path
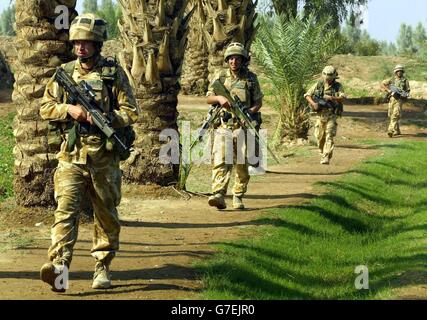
238	80
326	98
400	82
88	163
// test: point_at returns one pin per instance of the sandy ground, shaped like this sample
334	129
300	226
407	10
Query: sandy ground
162	238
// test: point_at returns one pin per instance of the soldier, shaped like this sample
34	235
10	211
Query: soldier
87	163
243	83
396	101
332	93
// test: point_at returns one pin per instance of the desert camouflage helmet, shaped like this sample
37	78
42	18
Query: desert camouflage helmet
399	67
329	72
235	48
88	27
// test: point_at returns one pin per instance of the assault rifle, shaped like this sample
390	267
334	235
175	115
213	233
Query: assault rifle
398	93
213	113
336	107
83	95
241	111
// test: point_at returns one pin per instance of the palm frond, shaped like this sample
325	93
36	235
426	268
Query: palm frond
292	51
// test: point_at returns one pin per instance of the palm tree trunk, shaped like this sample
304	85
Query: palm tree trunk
41	48
154	37
194	78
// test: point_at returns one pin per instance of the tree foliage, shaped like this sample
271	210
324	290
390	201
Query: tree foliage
292	51
412	42
337	10
405	44
111	13
7	20
90	6
359	42
388	48
108	10
420	41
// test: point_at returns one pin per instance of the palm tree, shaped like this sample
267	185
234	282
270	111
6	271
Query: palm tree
154	37
292	51
41	47
194	78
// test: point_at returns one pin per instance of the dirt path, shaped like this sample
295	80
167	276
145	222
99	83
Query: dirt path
161	238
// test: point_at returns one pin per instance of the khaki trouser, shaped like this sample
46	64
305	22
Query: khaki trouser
394	113
102	184
226	152
325	130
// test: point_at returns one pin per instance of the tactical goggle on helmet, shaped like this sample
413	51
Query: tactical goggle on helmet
329	72
235	49
88	27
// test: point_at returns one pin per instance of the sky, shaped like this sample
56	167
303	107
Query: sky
382	17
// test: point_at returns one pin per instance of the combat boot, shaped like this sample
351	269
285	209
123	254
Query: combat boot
101	277
324	160
51	271
238	203
390	134
217	200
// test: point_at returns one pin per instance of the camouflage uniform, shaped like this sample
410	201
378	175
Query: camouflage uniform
395	104
87	162
247	88
326	121
89	168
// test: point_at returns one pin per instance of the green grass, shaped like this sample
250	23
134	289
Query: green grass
417	70
6	156
374	216
354	92
16	240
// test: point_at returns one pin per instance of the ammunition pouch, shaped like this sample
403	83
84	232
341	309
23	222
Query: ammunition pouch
56	131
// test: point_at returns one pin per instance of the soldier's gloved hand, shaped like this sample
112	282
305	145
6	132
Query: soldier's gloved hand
315	106
77	113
